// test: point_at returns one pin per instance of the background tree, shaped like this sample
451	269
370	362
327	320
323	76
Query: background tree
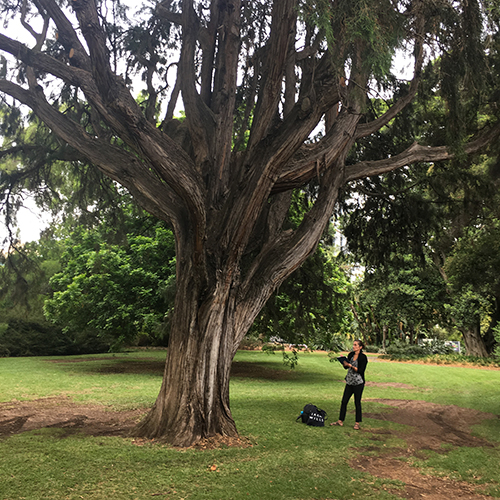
407	298
114	291
472	269
257	78
425	210
24	285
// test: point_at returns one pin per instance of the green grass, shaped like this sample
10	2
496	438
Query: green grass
288	460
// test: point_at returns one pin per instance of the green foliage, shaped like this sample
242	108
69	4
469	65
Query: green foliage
290	359
24	338
404	351
319	13
114	290
462	67
496	332
142	257
389	220
468	307
312	306
375	28
475	259
24	276
405	295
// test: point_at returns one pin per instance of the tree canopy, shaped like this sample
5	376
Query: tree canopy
119	291
277	95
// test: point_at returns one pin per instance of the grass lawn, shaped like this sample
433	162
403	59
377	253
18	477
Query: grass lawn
287	460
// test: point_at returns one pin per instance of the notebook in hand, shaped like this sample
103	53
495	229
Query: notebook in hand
342	359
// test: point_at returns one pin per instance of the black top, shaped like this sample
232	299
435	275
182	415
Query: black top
362	362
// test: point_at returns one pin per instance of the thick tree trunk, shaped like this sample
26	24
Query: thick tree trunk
489	337
215	305
474	343
193	402
384	337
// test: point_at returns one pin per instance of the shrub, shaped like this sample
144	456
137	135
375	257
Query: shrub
435	352
25	338
401	350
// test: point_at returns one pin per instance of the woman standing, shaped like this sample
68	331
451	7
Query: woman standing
355	382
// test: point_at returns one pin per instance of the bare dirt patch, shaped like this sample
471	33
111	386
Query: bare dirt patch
429	427
417	486
61	412
433	425
397	385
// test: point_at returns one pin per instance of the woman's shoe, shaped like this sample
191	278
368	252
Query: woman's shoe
338	422
356	426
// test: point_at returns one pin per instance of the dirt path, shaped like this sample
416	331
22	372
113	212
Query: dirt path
429	426
60	412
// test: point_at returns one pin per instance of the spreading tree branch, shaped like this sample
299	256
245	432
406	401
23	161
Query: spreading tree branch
283	18
367	129
113	161
224	94
200	119
95	36
418	153
67	36
288	250
125	117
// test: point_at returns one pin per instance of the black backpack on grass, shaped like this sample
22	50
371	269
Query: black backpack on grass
312	415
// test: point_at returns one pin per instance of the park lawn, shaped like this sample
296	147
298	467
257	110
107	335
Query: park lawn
286	460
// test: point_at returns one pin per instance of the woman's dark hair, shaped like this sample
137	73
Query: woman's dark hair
361	343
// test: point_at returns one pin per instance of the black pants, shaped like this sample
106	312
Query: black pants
349	390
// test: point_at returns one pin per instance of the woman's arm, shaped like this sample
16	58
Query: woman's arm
362	362
347	364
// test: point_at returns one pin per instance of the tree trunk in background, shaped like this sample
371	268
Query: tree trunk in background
474	343
384	336
489	336
411	329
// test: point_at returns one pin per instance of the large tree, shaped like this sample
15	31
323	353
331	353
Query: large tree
275	95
